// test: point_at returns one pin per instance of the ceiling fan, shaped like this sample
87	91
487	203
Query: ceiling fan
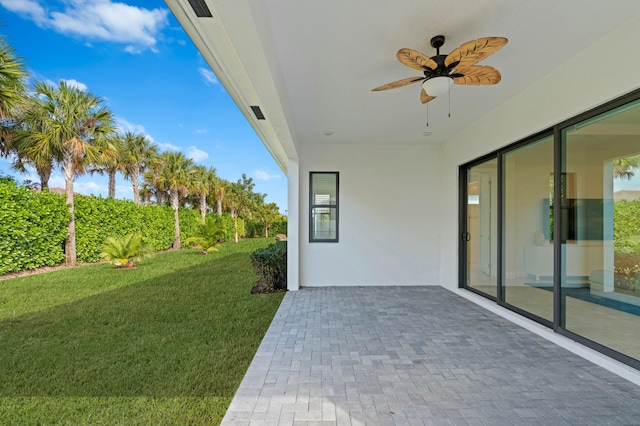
458	66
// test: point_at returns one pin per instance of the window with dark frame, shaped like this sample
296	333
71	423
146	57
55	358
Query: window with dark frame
323	207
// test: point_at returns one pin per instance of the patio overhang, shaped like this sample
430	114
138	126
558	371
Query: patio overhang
310	67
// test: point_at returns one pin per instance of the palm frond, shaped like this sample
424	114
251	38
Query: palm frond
123	250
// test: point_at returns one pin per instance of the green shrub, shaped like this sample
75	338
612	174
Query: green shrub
156	226
189	222
279	227
123	251
626	229
208	235
99	218
270	264
33	227
226	224
254	228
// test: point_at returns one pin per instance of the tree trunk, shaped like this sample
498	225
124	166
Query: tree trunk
235	226
219	206
134	176
266	229
70	243
203	206
44	174
174	200
112	183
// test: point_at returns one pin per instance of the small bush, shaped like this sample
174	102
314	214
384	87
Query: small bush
208	235
270	264
123	251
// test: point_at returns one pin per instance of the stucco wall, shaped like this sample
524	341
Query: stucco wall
577	86
390	212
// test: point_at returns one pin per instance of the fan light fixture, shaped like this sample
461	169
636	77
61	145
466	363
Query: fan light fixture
437	86
458	67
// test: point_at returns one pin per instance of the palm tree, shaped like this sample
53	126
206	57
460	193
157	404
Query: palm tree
137	155
625	167
175	178
109	161
218	193
203	183
268	213
72	124
234	200
12	94
28	152
149	187
240	199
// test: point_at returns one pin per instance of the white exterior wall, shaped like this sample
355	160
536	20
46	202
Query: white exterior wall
293	227
389	216
582	83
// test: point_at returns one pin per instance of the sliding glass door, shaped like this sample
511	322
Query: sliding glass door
480	234
600	289
550	228
527	273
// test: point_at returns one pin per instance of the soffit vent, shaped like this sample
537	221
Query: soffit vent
257	112
200	8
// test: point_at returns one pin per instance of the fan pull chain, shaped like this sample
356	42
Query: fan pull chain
427	115
449	100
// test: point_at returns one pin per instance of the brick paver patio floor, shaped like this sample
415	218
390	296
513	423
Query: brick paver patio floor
414	356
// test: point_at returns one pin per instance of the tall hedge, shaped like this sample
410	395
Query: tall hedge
33	227
98	218
255	228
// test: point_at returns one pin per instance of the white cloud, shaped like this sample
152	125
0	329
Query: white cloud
127	189
27	8
260	174
75	83
56	181
125	126
166	146
209	76
90	187
200	131
197	154
103	20
81	187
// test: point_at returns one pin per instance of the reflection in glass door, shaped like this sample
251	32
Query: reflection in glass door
600	289
481	228
528	275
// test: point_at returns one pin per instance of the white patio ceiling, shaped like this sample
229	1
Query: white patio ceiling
310	65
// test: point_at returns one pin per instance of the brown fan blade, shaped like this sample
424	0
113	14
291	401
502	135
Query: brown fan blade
478	75
424	97
399	83
416	60
471	52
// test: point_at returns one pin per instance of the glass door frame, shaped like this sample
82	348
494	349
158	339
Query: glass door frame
559	268
463	251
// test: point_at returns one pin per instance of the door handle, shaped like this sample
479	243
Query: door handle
465	236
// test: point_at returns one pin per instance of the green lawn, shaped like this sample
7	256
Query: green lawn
165	343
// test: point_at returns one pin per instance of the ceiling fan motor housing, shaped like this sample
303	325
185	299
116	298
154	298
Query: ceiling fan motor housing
441	71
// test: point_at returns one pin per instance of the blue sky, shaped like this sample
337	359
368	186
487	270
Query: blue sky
135	55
